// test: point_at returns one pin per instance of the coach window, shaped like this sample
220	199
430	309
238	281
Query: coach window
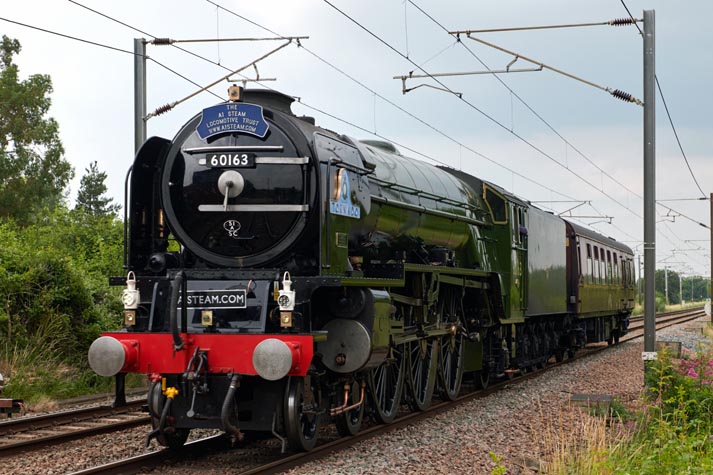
632	276
602	266
589	263
609	270
615	268
596	265
496	205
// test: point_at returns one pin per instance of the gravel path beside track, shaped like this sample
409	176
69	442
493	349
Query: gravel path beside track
510	423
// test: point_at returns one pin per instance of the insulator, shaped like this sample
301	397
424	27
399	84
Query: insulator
624	96
162	41
166	108
622	21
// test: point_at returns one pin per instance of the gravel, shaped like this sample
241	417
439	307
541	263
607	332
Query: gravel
511	424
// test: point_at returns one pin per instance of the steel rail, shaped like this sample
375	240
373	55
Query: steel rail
152	459
147	461
31	433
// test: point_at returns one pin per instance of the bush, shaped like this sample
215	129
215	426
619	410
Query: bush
55	297
676	426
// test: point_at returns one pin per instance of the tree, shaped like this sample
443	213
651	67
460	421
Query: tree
91	196
674	296
33	171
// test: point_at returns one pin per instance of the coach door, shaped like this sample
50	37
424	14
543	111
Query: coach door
519	253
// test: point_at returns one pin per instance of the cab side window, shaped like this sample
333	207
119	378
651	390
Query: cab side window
496	205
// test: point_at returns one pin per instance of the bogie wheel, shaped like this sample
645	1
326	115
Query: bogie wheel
301	420
171	437
482	378
450	365
386	383
422	355
616	337
349	423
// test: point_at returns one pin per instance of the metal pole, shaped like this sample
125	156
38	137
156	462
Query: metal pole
139	92
711	226
680	289
649	189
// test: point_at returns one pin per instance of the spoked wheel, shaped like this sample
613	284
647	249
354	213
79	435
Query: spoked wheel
301	419
450	354
349	423
450	365
421	372
535	350
172	437
482	378
386	383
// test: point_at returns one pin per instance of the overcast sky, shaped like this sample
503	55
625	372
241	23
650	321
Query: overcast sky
93	91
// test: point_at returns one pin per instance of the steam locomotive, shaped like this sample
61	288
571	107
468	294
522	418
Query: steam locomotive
282	276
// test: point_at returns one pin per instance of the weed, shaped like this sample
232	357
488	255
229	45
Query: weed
499	469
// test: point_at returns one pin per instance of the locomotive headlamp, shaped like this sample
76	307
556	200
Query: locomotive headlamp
235	93
286	301
131	296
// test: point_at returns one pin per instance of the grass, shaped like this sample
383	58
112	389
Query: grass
639	309
37	373
582	450
671	432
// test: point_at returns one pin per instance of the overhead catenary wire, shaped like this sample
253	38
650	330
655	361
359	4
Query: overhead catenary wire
619	94
351	124
473	106
101	45
221	98
171	105
170	41
527	105
633	21
615	22
668	114
390	102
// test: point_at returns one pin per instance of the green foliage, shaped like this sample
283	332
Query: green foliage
54	263
613	411
695	288
54	295
35	370
660	302
673	432
91	196
499	469
33	171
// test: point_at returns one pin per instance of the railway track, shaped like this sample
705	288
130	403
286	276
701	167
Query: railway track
286	462
29	433
667	319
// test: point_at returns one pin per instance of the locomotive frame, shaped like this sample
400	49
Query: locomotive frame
322	279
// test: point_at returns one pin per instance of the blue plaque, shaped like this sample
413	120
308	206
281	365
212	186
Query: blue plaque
343	205
232	117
